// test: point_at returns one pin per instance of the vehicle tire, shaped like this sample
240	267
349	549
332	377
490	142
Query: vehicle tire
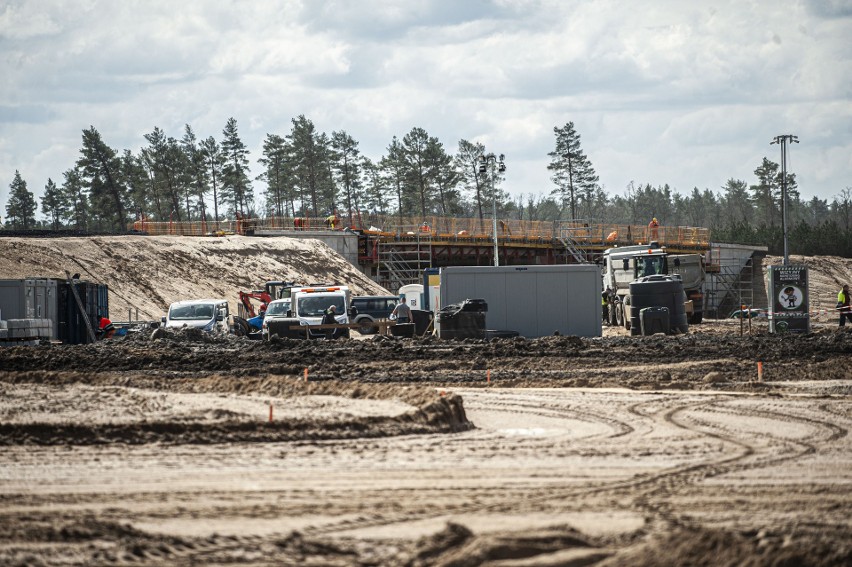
611	315
366	328
241	327
619	314
696	318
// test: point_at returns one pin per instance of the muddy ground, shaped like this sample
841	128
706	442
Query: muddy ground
618	450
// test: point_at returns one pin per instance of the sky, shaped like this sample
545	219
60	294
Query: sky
683	93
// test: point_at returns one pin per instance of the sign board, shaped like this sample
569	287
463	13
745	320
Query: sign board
789	299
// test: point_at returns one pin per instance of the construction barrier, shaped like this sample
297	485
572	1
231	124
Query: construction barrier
443	228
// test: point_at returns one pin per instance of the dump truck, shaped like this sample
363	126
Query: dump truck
626	264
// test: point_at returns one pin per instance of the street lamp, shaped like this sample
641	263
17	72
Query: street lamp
484	160
783	140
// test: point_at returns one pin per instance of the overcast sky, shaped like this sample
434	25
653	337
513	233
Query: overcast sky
661	91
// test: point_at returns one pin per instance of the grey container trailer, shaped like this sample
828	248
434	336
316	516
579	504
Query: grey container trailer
536	301
30	298
48	298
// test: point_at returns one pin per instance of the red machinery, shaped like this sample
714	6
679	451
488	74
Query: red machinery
270	292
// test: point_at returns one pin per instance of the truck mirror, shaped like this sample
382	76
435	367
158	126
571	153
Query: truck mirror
289	313
163	320
219	317
626	263
677	262
353	311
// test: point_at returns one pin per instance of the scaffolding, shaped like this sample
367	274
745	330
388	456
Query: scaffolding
402	264
734	285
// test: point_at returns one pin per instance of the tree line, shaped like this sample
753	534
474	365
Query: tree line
312	173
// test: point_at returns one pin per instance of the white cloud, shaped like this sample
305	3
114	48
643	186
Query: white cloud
661	91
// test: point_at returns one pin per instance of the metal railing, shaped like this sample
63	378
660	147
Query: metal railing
447	228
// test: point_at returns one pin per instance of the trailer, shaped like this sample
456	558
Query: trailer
535	301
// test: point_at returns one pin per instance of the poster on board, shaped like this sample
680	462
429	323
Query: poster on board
788	299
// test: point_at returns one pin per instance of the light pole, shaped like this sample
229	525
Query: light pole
783	140
484	159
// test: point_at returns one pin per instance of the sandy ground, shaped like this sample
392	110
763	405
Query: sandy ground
612	451
608	451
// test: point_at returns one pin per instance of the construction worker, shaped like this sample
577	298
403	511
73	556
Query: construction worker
402	312
329	318
605	306
843	305
653	230
105	328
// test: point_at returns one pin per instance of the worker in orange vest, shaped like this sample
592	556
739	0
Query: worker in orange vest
653	229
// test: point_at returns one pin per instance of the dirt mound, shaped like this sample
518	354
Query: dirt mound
150	272
87	410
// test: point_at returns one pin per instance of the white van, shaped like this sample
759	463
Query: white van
210	315
309	305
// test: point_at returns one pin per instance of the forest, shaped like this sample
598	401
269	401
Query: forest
305	172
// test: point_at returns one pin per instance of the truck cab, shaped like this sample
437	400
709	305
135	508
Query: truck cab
308	305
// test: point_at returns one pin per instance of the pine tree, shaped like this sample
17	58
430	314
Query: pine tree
278	194
445	177
467	164
21	207
53	204
75	193
167	163
309	157
573	173
196	170
376	187
100	169
419	183
235	181
214	162
346	163
393	166
138	183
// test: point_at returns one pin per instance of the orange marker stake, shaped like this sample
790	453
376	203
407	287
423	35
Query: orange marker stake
270	412
488	375
760	372
306	374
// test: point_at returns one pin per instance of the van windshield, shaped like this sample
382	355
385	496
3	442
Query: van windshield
315	306
192	312
278	308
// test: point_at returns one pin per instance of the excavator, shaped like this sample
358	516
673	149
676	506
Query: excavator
249	321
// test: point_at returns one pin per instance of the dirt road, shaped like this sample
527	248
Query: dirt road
398	452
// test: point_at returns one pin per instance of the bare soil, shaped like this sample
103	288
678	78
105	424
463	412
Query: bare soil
190	449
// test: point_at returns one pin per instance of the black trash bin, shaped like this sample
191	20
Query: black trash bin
403	330
422	320
464	320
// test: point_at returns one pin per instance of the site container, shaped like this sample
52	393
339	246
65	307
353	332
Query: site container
536	301
30	298
71	323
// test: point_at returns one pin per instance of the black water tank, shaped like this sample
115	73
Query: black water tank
658	291
464	320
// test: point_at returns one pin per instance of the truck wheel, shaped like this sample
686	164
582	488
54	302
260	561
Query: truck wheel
619	314
366	328
696	318
241	327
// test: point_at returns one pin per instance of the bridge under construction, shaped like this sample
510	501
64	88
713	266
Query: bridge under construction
395	250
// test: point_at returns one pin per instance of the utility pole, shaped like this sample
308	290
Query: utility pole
784	139
484	160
